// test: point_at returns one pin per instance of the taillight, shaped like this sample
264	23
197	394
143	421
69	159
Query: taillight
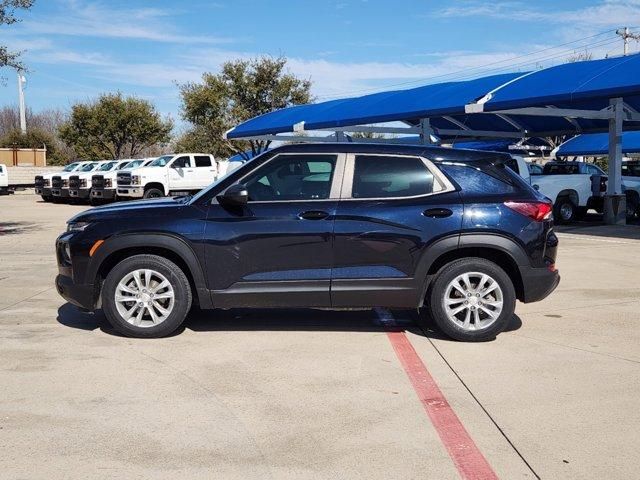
537	211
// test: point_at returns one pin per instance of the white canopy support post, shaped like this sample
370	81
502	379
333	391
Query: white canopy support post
615	209
340	136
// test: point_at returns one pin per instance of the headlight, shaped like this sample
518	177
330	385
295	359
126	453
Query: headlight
107	182
65	183
83	183
77	226
135	180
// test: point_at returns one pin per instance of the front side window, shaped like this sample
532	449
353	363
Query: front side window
379	176
292	177
181	162
202	161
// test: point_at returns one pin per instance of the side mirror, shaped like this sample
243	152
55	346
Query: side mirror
234	195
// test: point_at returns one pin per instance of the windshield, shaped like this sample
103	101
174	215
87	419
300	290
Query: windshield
161	161
89	167
134	164
105	167
70	167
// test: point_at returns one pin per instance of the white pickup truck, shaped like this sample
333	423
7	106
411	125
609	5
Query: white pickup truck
80	182
43	182
167	175
60	182
568	185
4	180
631	186
104	184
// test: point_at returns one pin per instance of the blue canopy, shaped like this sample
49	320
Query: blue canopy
581	85
596	144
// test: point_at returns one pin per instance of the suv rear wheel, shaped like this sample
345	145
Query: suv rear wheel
472	300
146	296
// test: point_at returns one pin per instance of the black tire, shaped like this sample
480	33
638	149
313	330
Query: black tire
632	207
95	202
175	276
564	211
153	193
438	291
46	199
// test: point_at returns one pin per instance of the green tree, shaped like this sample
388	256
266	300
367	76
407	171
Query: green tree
7	17
115	127
242	90
35	138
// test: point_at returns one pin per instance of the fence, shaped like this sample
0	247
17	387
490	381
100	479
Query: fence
15	157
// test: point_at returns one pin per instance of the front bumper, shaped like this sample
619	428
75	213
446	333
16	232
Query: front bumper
137	192
60	192
103	193
538	283
44	191
81	193
80	295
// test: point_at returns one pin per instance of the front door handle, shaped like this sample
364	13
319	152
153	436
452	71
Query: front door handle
437	213
313	215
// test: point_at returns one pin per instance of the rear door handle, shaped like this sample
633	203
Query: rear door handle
313	215
437	212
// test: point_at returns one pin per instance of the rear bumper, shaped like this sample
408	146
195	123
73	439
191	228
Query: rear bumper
103	193
81	193
79	295
538	283
137	192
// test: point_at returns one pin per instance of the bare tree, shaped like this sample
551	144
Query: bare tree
8	17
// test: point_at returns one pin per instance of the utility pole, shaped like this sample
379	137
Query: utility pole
626	35
23	114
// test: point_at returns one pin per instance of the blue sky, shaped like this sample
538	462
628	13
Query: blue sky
77	49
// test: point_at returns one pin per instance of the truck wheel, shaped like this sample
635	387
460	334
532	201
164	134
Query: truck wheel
146	296
153	193
472	300
632	207
46	199
564	211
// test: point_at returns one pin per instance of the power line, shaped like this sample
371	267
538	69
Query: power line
483	69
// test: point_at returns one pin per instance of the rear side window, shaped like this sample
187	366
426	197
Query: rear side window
631	169
485	178
378	176
561	169
202	161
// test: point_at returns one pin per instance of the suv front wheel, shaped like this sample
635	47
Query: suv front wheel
146	296
472	300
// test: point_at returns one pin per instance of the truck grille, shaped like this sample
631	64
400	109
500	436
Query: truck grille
56	182
74	182
39	181
124	179
97	181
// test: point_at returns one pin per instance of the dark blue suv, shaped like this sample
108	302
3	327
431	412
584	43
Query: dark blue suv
333	225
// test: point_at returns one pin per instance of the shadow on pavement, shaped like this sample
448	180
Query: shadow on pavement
299	320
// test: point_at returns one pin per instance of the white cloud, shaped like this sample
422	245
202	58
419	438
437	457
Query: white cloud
95	19
607	13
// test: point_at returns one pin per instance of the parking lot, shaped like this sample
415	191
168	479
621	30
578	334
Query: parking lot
319	394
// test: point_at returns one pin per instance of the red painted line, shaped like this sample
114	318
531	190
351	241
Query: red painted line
466	456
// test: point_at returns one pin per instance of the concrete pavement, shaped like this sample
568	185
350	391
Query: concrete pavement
310	393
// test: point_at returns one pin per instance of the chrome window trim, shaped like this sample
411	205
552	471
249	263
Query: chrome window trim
336	185
444	183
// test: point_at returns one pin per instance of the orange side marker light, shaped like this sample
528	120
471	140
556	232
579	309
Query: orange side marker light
95	247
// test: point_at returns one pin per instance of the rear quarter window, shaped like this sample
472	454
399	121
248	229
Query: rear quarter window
485	179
